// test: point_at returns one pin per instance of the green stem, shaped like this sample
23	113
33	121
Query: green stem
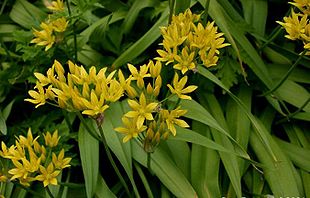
3	5
149	162
206	12
171	6
49	192
71	185
110	157
277	31
29	190
67	120
74	34
144	180
286	75
87	127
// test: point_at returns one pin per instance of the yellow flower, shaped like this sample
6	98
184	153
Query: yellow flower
302	5
21	170
185	61
155	69
126	84
56	5
139	75
113	92
166	55
5	152
96	105
172	35
60	162
29	141
60	24
3	178
48	175
51	140
44	37
141	110
131	130
178	87
171	118
39	96
294	26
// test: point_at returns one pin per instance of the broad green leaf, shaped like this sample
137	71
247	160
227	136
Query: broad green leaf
144	180
188	135
306	182
3	127
26	14
294	94
7	110
105	21
181	6
275	172
122	150
180	153
132	14
89	152
260	129
255	14
143	43
165	169
229	160
238	122
205	164
102	189
298	74
299	156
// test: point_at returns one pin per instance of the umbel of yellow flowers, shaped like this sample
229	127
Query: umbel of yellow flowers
297	24
77	90
187	42
52	29
30	160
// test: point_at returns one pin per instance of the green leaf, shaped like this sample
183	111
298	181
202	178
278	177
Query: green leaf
3	127
89	152
188	135
165	169
205	164
229	160
260	129
255	13
143	43
294	94
7	110
299	156
114	139
275	172
103	190
26	14
180	153
133	13
181	6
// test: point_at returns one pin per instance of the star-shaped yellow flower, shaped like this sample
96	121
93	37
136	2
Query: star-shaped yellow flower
48	175
130	130
171	118
141	110
178	87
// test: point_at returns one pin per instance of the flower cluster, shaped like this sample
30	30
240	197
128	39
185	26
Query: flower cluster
51	30
32	161
148	115
78	90
187	42
297	24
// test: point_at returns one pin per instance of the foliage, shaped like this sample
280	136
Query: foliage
155	98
